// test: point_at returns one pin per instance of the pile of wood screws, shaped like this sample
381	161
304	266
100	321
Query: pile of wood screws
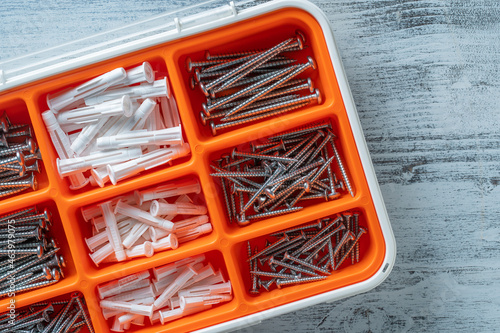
248	86
19	157
278	174
29	258
305	254
47	317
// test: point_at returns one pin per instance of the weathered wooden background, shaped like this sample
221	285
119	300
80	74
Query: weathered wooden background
425	77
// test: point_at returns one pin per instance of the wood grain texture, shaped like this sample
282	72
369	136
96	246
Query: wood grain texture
425	76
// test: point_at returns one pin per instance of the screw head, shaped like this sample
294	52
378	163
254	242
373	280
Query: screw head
318	98
47	272
242	220
212	127
61	261
31	145
310	84
203	118
189	64
311	62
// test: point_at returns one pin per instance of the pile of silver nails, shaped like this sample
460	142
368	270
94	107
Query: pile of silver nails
28	258
19	157
248	86
305	254
49	317
280	174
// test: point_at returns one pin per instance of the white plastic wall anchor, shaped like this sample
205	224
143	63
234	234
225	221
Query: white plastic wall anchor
203	273
138	320
138	118
174	302
207	290
160	285
158	208
144	250
60	100
107	313
169	315
143	310
166	243
74	165
89	212
190	223
172	268
155	318
211	280
135	294
112	229
117	326
124	319
100	175
190	302
143	216
86	135
99	223
134	234
167	136
169	112
191	234
102	237
147	161
158	123
158	88
170	291
171	189
113	124
101	254
121	285
139	74
63	147
72	128
91	114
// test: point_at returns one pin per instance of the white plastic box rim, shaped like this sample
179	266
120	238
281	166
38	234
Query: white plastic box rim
177	24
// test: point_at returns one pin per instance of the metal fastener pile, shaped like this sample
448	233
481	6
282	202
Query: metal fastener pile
176	290
277	176
29	259
248	86
305	254
139	224
47	317
19	157
115	126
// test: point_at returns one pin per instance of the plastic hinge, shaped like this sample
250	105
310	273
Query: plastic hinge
2	77
205	17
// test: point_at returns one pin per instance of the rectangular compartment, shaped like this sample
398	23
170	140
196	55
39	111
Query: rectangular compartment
43	303
249	35
81	76
83	230
347	274
195	321
350	160
17	112
70	272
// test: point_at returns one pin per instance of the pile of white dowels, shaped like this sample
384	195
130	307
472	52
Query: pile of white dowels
140	224
176	290
115	126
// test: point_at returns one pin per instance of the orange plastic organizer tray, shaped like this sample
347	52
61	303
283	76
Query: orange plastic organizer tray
226	245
